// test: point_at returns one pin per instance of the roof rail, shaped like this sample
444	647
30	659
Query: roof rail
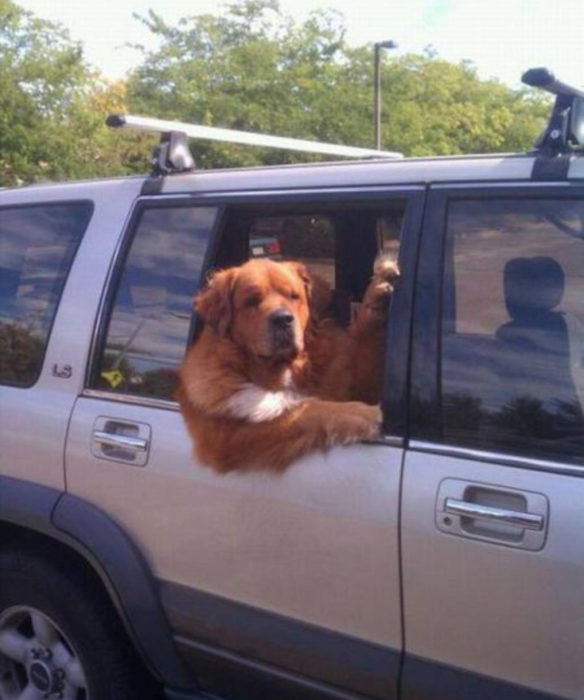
170	156
565	130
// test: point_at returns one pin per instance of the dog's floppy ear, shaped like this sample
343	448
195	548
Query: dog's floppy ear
214	303
319	292
302	272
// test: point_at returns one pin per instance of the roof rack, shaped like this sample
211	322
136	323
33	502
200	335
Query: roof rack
565	130
172	154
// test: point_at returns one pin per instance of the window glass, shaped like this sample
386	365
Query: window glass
513	327
37	245
150	321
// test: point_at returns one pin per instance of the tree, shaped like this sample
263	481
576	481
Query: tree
252	68
249	68
49	125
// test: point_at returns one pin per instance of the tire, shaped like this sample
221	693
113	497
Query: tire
60	636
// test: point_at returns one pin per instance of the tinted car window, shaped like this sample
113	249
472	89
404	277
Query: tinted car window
151	315
37	245
513	327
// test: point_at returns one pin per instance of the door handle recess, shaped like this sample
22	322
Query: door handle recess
125	441
476	511
121	440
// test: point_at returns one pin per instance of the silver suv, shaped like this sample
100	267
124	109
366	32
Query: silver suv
442	561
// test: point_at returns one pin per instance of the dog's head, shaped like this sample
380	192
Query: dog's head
263	306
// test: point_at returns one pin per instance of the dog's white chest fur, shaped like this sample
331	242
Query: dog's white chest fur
256	405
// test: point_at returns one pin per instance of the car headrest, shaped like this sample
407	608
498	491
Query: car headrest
532	285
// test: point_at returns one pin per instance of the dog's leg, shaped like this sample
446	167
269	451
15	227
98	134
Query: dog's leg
373	310
369	331
312	425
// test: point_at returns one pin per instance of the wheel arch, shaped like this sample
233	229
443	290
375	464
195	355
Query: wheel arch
45	517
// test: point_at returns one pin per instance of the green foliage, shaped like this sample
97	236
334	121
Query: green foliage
49	128
252	68
249	67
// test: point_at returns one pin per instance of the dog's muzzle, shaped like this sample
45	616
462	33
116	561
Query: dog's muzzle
282	325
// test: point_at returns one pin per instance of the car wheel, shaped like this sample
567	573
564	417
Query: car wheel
60	637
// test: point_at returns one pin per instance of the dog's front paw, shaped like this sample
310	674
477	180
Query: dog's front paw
364	421
380	289
385	273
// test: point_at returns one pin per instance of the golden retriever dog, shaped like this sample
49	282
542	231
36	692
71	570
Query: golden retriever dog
270	379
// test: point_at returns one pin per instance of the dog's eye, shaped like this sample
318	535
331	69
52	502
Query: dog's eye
295	296
252	301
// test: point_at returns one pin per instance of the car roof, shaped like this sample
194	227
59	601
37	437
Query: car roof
371	173
343	174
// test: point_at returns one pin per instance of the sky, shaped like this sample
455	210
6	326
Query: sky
501	37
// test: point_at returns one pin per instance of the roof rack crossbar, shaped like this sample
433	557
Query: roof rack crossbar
198	131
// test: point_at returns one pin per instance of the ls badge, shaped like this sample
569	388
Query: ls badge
62	371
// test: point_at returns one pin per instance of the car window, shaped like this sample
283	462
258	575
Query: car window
151	315
37	246
512	371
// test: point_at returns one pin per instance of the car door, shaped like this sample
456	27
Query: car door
493	559
274	585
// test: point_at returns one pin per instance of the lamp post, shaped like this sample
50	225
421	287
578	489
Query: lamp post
377	46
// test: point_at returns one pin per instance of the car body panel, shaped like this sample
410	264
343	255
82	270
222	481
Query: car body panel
318	542
310	561
31	436
492	605
507	613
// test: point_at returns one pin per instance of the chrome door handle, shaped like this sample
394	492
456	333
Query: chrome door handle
125	441
527	521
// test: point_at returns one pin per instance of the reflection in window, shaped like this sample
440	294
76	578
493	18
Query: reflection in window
513	327
151	316
37	245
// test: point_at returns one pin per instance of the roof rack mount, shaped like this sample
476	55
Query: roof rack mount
172	154
565	130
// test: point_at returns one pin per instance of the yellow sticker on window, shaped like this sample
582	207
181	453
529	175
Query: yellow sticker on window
113	378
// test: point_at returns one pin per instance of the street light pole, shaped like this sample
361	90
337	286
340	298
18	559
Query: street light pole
377	86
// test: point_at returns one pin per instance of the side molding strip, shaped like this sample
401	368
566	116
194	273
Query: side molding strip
210	630
234	676
429	680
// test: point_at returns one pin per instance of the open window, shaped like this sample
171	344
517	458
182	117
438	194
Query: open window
338	243
172	247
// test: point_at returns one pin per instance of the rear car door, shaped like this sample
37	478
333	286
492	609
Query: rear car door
274	585
493	560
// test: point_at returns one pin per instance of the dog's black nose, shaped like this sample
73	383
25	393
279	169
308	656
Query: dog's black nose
281	318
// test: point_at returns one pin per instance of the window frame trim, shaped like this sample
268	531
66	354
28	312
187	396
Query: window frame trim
90	203
499	458
425	387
